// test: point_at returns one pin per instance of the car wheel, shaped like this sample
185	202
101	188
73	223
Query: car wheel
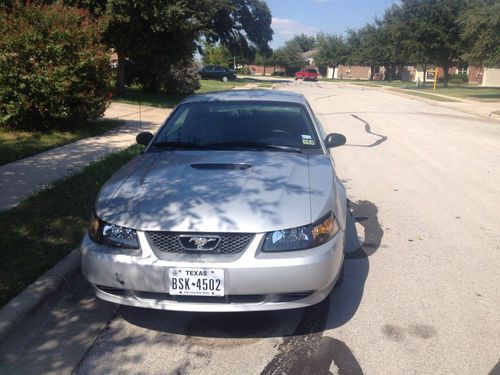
225	79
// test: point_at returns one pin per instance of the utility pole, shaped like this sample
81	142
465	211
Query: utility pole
435	76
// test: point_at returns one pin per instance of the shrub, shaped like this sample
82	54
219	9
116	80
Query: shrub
243	70
182	78
458	78
53	68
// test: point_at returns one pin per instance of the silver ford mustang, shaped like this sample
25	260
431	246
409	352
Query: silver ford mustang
234	205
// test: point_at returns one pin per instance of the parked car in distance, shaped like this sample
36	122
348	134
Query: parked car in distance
217	72
234	205
307	74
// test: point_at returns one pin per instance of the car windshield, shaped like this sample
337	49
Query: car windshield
311	71
240	125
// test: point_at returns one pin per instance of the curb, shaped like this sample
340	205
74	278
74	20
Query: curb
23	305
494	116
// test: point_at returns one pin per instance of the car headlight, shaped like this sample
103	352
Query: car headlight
112	234
301	238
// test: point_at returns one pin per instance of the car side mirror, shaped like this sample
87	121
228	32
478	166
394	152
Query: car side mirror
334	140
144	138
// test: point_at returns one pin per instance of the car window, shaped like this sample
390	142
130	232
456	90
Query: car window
311	70
276	123
208	68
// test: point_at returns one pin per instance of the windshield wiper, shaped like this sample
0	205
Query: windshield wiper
256	145
178	144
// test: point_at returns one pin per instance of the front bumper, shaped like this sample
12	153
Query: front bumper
254	281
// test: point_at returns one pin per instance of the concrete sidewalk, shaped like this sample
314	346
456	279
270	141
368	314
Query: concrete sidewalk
24	177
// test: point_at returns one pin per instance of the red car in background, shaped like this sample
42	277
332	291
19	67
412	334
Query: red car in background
307	74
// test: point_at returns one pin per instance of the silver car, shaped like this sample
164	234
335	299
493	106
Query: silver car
234	205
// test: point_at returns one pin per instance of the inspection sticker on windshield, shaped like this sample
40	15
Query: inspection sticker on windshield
308	142
305	136
196	282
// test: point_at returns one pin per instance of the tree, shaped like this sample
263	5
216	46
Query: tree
480	25
303	42
288	57
432	27
332	50
54	70
166	33
217	55
366	47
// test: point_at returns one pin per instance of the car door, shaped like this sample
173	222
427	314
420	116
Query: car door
207	71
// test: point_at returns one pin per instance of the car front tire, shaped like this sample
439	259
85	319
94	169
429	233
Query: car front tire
225	79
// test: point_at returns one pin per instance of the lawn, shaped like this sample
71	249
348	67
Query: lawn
208	85
425	95
135	95
48	225
483	94
265	85
18	144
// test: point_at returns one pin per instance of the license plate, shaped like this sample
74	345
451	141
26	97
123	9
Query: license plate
196	282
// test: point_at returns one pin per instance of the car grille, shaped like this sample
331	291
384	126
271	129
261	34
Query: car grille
231	243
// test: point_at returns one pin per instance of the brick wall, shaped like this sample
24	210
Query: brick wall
353	72
259	69
475	74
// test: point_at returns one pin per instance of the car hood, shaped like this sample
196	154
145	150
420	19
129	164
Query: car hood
217	191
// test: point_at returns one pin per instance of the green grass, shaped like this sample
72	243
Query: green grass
136	95
426	96
48	225
265	85
18	144
496	112
483	94
454	90
208	85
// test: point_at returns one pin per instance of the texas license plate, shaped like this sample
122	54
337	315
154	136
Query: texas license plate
196	282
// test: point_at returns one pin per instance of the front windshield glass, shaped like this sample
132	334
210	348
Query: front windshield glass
240	124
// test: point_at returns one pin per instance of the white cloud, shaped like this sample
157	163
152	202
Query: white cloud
287	28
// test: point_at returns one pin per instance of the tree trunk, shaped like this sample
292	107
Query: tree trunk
446	74
424	68
264	69
372	71
120	81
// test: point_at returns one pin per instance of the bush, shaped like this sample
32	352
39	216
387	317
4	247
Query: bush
182	78
459	78
53	68
243	70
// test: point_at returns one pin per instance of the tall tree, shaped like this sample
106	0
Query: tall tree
481	33
332	50
288	57
217	55
366	47
164	33
433	29
303	42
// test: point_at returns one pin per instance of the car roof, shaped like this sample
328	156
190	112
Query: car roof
247	95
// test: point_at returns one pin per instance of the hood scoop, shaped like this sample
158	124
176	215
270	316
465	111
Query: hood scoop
222	166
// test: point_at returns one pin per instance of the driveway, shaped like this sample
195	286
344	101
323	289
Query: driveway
420	295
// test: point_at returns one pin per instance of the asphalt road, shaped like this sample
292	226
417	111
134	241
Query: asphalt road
421	294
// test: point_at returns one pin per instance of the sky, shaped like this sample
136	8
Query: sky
292	17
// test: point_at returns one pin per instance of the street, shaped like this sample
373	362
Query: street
419	296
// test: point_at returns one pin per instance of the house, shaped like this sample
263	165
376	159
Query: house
308	57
